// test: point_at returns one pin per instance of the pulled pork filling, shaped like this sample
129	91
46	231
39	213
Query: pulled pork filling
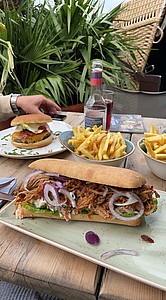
72	196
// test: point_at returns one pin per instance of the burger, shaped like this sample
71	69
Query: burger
32	131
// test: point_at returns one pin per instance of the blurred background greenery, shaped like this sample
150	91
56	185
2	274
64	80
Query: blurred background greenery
53	47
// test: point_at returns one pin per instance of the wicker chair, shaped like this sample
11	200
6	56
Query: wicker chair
14	3
142	18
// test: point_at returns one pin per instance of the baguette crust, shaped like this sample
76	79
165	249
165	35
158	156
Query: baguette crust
25	213
112	176
40	144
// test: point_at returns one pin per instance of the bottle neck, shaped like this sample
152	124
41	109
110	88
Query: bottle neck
96	82
96	89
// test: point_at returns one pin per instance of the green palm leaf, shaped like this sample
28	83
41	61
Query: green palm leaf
54	48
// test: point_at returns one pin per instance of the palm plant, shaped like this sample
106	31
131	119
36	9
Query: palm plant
6	57
55	46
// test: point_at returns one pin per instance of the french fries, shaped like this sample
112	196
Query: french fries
155	143
97	144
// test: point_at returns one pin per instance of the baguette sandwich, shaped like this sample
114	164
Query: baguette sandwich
32	131
67	190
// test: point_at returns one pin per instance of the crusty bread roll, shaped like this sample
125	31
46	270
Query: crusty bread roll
113	176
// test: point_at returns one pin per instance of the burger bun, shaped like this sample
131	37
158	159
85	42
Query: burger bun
31	119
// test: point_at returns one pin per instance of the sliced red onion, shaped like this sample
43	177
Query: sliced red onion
111	253
131	199
54	200
70	195
56	175
135	195
118	216
52	174
105	191
27	178
59	184
92	238
115	190
62	178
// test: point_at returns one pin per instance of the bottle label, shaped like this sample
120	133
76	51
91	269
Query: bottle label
90	122
96	78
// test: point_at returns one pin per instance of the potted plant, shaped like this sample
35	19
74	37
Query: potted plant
55	46
6	65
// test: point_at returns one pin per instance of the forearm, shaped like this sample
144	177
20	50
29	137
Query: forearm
5	108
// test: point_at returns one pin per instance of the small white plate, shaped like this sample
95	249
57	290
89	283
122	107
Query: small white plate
8	150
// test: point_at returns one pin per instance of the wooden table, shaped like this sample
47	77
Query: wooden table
35	264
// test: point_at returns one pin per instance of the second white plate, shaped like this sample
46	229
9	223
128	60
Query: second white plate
8	150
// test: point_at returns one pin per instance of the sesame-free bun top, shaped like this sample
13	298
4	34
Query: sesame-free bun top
31	119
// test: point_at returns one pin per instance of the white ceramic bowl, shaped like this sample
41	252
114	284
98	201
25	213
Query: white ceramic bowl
65	136
157	167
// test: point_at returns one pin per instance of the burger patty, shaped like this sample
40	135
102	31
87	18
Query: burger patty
28	137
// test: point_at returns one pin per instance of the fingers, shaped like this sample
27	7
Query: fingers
50	105
34	104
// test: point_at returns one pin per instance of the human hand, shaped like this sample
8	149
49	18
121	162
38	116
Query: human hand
34	104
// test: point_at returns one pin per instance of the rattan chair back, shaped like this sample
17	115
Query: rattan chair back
11	4
142	19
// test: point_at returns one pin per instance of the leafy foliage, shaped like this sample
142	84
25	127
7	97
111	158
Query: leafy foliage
54	48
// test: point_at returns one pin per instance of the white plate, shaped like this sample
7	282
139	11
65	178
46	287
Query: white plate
8	150
148	267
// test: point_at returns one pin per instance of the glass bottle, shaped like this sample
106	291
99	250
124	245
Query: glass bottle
95	109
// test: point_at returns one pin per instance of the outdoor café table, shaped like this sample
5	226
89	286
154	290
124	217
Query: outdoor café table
32	263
